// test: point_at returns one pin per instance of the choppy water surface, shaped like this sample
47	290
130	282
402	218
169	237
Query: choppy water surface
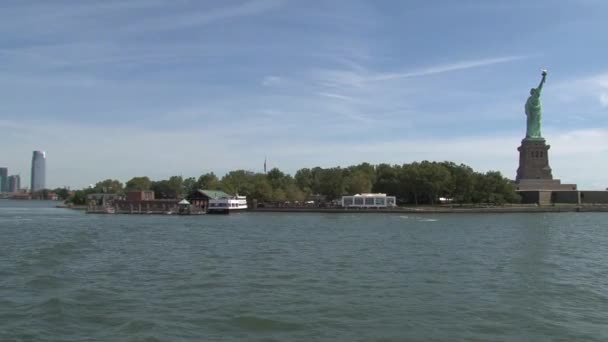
68	276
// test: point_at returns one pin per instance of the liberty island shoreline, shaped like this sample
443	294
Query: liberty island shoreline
403	210
442	210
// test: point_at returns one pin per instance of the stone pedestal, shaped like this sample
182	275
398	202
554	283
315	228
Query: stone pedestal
543	184
534	172
534	160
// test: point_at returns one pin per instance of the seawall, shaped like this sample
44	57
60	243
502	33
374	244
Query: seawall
439	210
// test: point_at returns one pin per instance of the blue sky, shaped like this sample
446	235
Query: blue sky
116	89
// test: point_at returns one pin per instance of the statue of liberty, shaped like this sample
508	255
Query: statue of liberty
534	111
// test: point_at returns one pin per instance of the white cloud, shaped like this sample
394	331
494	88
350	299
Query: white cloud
586	88
604	100
270	81
601	85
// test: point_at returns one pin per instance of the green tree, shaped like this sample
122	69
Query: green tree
387	179
139	183
168	188
331	183
208	181
238	182
189	185
278	196
261	190
434	179
62	193
366	169
461	187
162	189
304	179
492	187
79	197
358	182
410	183
109	186
277	179
315	181
294	193
176	184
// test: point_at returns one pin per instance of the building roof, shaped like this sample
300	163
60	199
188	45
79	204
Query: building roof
369	195
214	194
183	202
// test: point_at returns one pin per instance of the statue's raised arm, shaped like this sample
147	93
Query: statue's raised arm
542	81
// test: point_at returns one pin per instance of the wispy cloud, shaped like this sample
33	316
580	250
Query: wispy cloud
364	94
336	96
362	77
199	18
457	66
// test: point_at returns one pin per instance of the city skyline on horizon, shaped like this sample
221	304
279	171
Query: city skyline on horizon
37	175
183	88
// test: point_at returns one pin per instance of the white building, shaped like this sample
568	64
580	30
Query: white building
369	201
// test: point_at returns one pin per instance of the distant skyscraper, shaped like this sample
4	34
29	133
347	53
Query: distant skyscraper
3	179
14	183
38	180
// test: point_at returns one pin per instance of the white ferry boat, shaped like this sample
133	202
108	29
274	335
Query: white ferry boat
227	204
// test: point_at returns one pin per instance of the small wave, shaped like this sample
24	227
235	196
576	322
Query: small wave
58	250
137	327
15	219
418	218
253	323
53	307
52	255
45	282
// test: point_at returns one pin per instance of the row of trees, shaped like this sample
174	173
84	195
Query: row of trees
415	183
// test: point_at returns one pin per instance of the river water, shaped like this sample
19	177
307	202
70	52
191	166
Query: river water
69	276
